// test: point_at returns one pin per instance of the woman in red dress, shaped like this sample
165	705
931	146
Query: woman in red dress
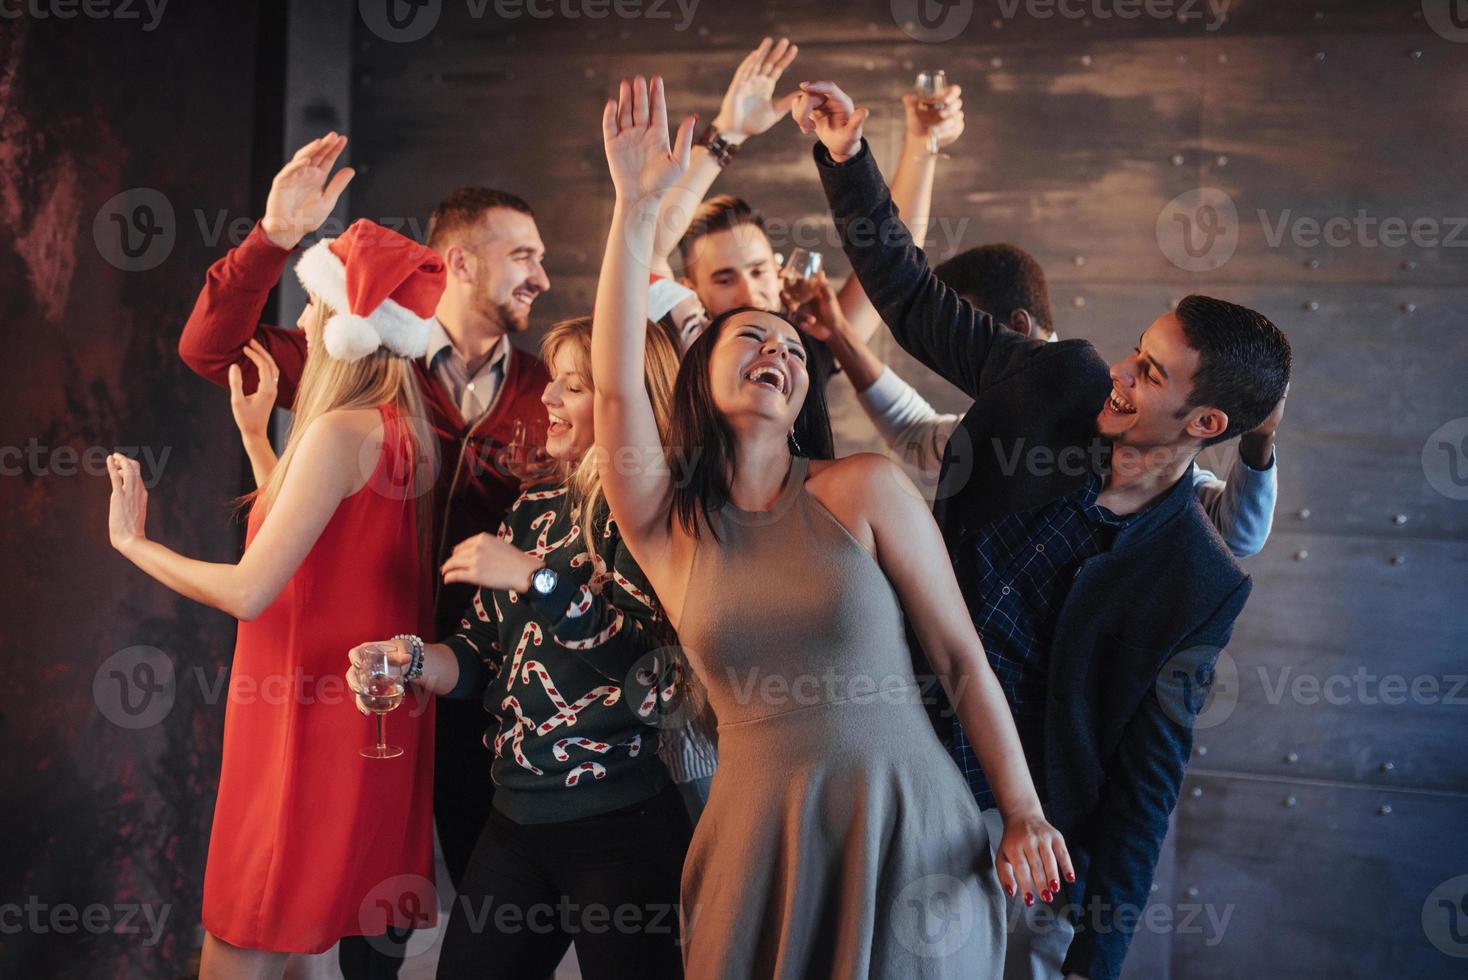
312	841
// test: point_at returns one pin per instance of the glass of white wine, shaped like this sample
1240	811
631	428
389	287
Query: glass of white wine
796	276
930	88
380	689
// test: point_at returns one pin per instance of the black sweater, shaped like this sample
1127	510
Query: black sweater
1142	625
577	704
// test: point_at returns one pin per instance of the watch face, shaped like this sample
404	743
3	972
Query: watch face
544	581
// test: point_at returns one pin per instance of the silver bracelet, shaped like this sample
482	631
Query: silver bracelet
415	648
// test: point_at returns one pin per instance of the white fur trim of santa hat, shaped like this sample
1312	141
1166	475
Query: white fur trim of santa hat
350	337
664	294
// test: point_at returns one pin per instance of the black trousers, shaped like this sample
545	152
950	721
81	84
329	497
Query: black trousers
609	883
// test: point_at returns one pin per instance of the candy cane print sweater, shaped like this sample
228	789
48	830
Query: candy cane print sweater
572	680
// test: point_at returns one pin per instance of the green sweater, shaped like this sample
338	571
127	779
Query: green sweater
577	705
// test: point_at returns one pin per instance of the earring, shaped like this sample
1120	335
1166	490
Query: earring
795	444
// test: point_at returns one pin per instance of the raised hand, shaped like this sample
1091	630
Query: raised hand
127	514
944	122
252	412
822	108
301	198
634	130
750	107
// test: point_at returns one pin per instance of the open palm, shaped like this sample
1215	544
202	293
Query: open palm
635	132
301	198
750	107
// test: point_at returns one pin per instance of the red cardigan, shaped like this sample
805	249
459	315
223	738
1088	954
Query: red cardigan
470	494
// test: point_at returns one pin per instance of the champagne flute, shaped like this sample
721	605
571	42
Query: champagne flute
930	88
525	457
380	689
799	270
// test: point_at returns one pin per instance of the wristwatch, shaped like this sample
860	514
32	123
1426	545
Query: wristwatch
543	582
720	148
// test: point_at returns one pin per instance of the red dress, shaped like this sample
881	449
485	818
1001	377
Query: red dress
312	841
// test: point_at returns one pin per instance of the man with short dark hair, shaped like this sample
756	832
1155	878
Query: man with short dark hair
475	387
1090	571
1006	282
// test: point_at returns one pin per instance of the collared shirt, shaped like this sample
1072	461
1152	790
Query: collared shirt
474	395
1016	573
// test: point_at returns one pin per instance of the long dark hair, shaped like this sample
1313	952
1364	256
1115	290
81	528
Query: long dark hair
703	437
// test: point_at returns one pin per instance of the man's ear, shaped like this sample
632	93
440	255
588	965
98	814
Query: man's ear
1020	321
456	261
1209	423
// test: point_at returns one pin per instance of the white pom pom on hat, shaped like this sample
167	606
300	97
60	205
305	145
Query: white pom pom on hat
382	287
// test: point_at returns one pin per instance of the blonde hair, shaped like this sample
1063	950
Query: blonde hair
380	378
660	360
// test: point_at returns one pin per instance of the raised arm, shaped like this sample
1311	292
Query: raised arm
643	166
928	319
1243	507
327	471
749	108
1032	856
252	412
912	191
226	316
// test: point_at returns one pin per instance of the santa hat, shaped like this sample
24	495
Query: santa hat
663	294
383	288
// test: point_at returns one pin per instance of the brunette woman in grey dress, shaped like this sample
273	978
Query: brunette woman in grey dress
839	838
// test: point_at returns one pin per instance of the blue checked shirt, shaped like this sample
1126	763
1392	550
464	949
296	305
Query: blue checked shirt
1015	575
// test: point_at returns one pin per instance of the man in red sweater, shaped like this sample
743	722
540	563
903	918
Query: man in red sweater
475	387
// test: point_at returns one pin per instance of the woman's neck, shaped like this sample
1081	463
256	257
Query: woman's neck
760	468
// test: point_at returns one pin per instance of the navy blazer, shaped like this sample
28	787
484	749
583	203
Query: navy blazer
1137	636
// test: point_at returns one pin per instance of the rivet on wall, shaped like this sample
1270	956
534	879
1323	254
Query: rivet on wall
1292	758
1182	59
1221	160
1313	264
1078	302
1192	891
1223	59
1290	802
1409	308
1399	519
1202	750
1399	559
1415	54
1387	766
1319	57
1384	810
1318	16
1409	266
1078	260
1303	513
869	65
1178	159
1197	792
996	62
1312	306
589	72
1086	60
1301	555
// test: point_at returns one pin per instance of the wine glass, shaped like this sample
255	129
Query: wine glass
525	457
796	276
380	689
930	88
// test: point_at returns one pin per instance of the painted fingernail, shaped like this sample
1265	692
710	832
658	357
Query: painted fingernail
1029	899
1054	885
1070	876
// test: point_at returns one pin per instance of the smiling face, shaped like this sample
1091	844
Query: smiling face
733	268
505	256
568	403
757	370
1150	390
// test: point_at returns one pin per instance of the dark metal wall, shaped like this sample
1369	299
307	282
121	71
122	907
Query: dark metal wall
125	136
1321	831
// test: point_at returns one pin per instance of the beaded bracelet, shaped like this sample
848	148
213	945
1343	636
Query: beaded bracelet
415	648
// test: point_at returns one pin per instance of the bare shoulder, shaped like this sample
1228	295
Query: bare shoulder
866	480
341	440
